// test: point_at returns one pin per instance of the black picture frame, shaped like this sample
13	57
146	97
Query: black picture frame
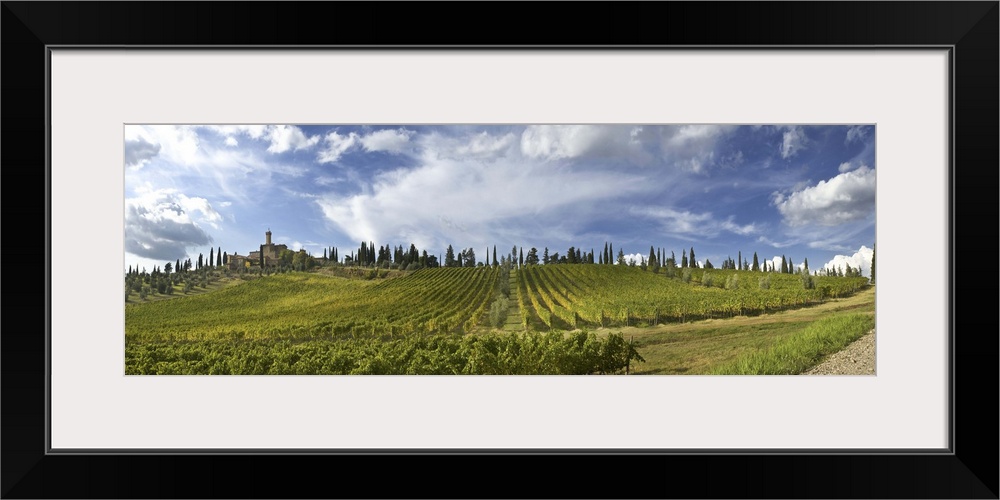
970	470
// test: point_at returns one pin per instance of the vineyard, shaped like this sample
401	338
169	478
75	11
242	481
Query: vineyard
571	296
303	306
439	320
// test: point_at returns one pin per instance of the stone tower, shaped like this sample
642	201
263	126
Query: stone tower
267	237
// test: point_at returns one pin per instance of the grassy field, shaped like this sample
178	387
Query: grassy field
703	346
294	323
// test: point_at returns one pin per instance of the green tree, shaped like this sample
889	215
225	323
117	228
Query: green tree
167	268
691	260
470	258
211	257
449	257
872	279
532	258
784	265
684	259
495	262
756	265
545	256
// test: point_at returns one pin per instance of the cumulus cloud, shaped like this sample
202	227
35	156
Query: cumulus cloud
847	197
630	259
845	167
159	224
139	151
793	140
286	137
388	140
862	258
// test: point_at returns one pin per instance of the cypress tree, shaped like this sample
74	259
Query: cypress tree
873	265
211	256
756	266
784	265
520	257
694	263
684	258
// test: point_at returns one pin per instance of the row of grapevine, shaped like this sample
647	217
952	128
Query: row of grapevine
301	306
623	296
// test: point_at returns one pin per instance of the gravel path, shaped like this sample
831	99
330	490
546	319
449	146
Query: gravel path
858	358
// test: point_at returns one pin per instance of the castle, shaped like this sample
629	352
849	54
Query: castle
267	256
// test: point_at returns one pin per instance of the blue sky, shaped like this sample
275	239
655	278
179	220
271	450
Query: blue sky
807	192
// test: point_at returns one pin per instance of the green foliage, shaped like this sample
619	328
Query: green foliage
765	282
498	311
552	353
803	350
733	282
706	279
808	282
686	275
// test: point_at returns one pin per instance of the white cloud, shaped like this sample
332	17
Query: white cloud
776	262
775	244
676	221
231	141
178	145
847	197
388	140
793	141
845	167
286	137
139	151
484	145
446	201
159	224
698	224
559	141
862	258
552	142
692	147
635	258
743	230
336	145
856	133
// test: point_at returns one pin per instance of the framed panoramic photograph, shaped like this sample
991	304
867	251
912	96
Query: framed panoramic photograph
661	253
303	307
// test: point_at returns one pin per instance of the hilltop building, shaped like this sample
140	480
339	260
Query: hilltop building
267	256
